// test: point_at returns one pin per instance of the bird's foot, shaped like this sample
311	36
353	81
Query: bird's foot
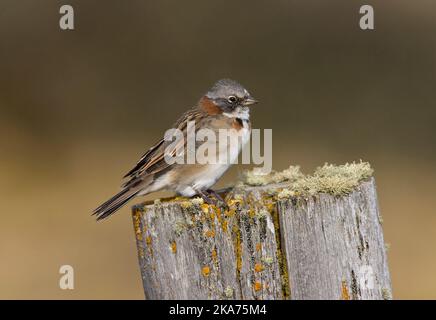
218	198
205	197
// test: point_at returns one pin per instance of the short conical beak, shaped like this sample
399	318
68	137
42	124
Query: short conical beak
249	101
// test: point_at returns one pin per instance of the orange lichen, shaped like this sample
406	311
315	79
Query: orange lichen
257	286
218	215
258	267
205	207
281	257
258	247
344	291
214	255
233	202
230	213
210	233
141	253
238	247
174	247
148	241
270	206
224	225
137	225
205	271
251	213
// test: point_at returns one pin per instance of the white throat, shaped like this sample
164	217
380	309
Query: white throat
242	113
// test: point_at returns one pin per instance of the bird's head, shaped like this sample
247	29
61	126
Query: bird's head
229	98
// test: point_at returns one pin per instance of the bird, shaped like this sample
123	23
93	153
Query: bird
226	105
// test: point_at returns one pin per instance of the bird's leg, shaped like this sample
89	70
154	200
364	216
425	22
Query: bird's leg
204	196
218	197
215	194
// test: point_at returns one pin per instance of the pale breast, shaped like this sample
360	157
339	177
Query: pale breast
231	135
228	152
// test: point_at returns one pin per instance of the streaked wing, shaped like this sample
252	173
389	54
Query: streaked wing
153	161
144	159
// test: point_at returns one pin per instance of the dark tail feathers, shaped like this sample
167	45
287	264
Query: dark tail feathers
114	203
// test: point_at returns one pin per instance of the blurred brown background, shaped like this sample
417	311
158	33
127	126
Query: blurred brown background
77	109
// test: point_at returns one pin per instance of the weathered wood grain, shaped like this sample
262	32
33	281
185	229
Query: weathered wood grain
334	246
323	247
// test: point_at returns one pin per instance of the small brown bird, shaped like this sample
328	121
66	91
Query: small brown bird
224	106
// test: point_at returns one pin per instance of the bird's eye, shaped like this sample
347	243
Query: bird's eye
232	99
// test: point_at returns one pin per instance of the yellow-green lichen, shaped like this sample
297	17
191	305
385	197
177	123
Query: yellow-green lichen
179	227
336	180
331	179
386	294
238	197
261	213
186	204
229	292
197	201
387	246
256	178
285	193
268	260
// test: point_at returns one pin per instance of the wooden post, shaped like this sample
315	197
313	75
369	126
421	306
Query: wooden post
264	246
